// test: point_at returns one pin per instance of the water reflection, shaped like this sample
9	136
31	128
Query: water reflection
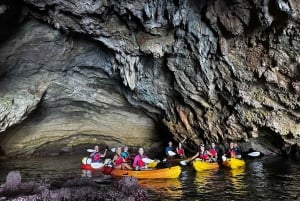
163	188
90	173
237	179
202	178
276	179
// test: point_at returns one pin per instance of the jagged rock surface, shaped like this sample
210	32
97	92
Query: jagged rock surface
209	70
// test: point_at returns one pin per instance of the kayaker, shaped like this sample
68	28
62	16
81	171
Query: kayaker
231	151
238	150
119	162
214	152
169	148
180	150
138	163
96	155
125	154
202	154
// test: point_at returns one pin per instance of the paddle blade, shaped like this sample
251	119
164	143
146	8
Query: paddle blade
90	150
224	158
86	160
171	153
254	154
113	149
184	163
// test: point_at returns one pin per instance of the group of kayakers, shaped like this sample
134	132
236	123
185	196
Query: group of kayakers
123	160
209	155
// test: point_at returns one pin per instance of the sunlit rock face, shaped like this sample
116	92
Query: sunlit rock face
208	70
57	92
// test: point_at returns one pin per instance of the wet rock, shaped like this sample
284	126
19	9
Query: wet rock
13	180
84	189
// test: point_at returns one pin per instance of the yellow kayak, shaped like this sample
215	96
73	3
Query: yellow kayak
234	163
172	172
201	165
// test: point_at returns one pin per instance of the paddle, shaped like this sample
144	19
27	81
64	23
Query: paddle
91	150
254	154
185	162
171	153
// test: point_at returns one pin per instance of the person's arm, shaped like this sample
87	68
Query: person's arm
195	156
104	154
209	154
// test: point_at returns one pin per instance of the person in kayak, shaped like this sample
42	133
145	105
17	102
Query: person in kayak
138	162
214	152
238	150
180	150
169	149
119	162
232	151
96	155
202	154
125	154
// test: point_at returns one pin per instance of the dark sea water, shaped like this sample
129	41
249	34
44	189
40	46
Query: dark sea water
261	179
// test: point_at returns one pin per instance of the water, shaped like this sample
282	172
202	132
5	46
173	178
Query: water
261	179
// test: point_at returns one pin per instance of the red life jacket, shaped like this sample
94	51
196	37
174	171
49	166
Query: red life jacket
141	163
204	155
180	152
213	152
119	160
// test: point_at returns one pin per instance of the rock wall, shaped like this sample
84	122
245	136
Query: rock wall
208	70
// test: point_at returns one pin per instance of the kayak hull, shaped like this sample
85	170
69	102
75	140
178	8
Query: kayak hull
172	172
97	166
201	165
234	163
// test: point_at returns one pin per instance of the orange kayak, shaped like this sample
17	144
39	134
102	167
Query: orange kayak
172	172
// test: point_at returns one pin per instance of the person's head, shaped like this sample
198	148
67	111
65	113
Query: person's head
96	148
170	143
235	144
118	150
202	147
213	145
125	149
141	151
231	145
